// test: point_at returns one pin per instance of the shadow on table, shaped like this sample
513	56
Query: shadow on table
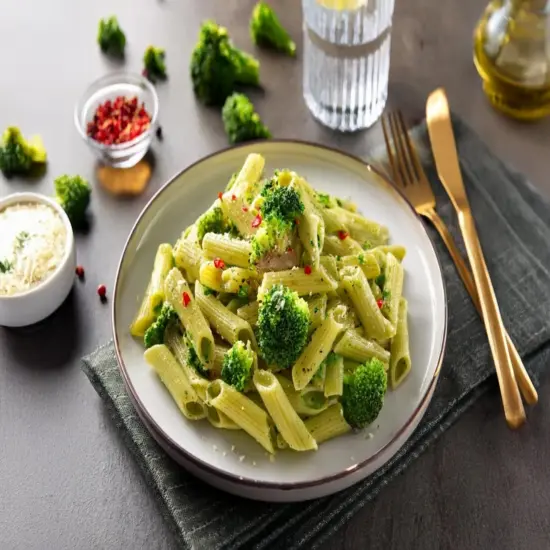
50	344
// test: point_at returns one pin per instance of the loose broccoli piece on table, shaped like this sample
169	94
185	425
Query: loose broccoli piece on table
241	122
266	30
237	365
217	66
154	66
155	333
211	221
73	194
17	155
111	37
283	323
364	392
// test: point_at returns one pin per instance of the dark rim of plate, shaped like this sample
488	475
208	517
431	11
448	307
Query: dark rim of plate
176	450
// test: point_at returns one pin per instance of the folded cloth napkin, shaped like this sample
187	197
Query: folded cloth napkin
514	227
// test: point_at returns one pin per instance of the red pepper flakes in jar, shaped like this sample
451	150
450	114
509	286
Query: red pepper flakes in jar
119	121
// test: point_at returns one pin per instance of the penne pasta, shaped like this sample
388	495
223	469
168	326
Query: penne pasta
317	310
176	344
188	257
356	347
232	251
286	420
341	247
334	376
154	295
365	260
314	282
249	312
218	419
235	203
359	292
242	411
228	325
393	288
180	297
400	357
315	352
173	377
307	274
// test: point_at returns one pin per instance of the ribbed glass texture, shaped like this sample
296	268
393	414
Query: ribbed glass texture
347	62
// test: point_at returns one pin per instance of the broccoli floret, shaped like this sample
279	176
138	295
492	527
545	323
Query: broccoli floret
272	236
241	122
154	66
155	333
283	323
111	37
266	30
282	203
237	365
280	208
363	394
210	222
17	155
217	66
73	194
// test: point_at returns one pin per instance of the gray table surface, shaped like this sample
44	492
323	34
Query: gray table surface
66	480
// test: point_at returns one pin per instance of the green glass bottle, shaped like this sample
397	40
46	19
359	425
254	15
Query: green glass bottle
512	56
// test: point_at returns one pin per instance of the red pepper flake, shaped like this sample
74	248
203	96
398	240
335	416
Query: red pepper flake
119	121
290	250
257	221
79	270
245	209
186	299
307	270
102	291
219	263
233	198
380	303
342	235
297	221
220	195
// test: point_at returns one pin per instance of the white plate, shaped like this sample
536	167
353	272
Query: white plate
217	455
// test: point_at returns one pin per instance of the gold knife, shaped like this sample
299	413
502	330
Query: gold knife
446	160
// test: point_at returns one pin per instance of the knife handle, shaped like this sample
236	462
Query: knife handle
525	384
511	400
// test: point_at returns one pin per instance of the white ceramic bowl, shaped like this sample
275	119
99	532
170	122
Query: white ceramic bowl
231	460
42	300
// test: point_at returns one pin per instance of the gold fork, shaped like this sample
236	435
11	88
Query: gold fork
409	175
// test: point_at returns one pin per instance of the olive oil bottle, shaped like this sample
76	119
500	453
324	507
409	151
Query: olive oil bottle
512	56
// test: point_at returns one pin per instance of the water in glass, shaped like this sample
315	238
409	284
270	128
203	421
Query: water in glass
347	60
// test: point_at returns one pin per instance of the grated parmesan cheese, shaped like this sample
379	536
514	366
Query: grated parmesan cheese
32	246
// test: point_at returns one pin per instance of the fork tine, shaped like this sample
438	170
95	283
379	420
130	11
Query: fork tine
399	133
413	154
399	175
389	149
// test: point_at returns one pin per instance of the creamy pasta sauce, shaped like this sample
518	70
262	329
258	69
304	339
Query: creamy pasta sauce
33	239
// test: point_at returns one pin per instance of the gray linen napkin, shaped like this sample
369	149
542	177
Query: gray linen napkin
514	226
